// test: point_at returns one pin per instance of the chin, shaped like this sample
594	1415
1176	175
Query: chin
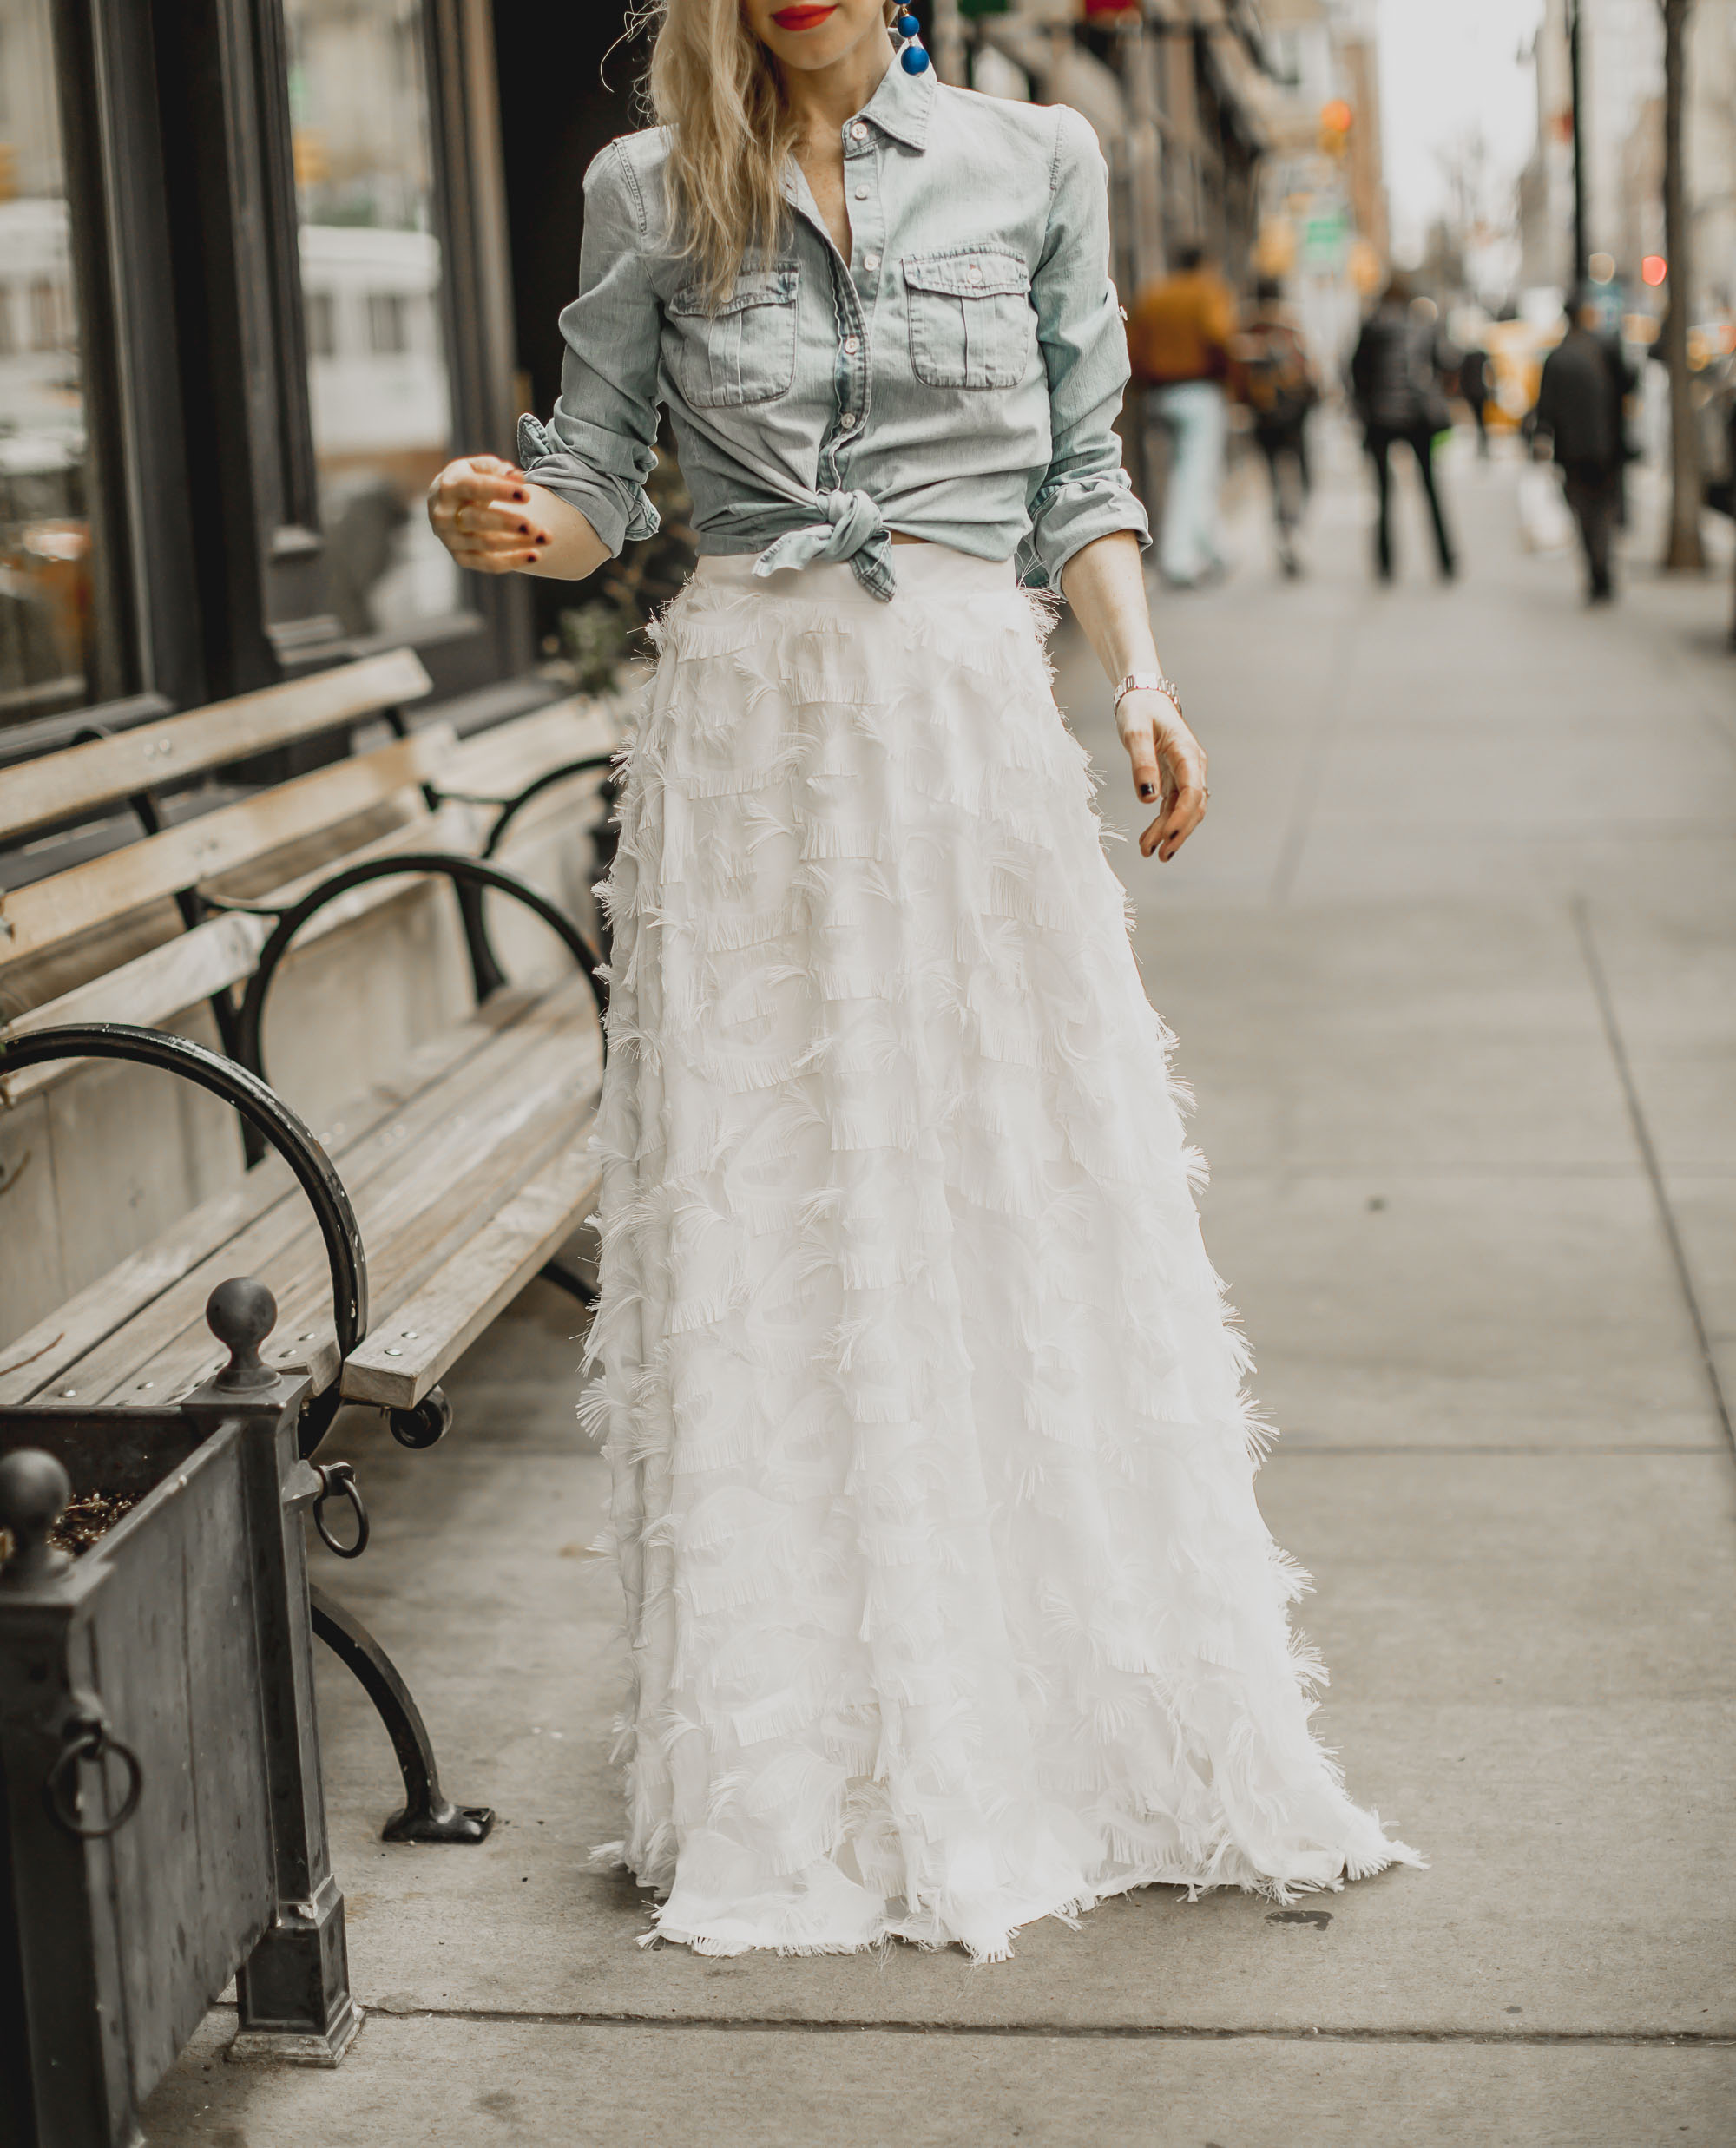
806	52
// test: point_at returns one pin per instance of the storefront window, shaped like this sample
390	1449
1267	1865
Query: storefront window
48	657
371	288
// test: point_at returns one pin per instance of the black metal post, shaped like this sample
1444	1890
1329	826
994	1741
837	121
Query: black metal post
1576	72
294	1986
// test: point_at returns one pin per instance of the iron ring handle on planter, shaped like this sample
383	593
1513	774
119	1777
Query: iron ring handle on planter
340	1477
472	872
261	1107
87	1737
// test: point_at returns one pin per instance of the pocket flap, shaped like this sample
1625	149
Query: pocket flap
972	272
753	286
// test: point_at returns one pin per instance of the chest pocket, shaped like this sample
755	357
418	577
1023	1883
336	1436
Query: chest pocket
743	352
971	322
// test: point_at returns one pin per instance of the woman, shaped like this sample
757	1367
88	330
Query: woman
949	1602
1395	382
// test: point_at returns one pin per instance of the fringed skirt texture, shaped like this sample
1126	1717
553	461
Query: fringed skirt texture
949	1604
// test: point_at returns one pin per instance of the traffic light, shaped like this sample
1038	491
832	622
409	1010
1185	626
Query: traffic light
1335	125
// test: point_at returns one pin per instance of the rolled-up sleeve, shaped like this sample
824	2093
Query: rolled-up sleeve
599	446
1084	493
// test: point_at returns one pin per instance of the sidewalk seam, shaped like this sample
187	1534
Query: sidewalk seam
1127	2031
1580	911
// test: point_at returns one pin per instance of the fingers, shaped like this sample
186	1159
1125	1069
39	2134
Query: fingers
1142	753
1166	757
480	510
1183	810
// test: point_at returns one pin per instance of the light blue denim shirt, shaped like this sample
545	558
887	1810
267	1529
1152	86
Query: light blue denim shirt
956	378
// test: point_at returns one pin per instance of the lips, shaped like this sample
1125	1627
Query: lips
803	17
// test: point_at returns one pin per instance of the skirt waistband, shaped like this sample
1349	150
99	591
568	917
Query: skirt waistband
926	571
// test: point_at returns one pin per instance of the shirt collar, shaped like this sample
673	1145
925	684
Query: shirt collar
901	106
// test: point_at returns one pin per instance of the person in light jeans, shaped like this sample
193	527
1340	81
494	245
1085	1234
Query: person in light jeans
1178	344
1193	413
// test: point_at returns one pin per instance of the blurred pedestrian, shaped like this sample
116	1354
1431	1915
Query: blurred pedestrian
1270	373
1398	395
1475	384
1179	346
1579	408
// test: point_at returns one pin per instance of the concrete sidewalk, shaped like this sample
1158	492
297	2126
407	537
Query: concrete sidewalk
1454	970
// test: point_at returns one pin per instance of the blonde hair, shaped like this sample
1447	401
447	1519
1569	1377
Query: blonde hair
714	85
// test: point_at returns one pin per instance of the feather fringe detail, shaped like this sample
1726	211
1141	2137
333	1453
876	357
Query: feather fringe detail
947	1598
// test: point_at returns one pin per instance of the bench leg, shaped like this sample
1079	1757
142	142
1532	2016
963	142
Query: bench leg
569	1280
428	1815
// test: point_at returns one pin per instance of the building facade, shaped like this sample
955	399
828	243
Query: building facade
1621	70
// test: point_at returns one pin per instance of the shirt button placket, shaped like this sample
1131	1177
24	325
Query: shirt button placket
861	174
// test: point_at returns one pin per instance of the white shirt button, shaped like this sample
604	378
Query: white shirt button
847	420
852	344
857	131
973	274
871	260
861	194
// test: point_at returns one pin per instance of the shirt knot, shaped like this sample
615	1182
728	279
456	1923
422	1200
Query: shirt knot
853	530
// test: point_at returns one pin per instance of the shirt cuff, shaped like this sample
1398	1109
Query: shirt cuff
1069	516
616	510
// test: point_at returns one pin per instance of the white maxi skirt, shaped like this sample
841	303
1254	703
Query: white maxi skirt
948	1601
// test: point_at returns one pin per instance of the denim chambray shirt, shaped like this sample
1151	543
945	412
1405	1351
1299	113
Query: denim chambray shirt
957	378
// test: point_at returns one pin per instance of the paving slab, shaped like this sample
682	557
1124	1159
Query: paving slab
471	2085
1413	1035
1380	1305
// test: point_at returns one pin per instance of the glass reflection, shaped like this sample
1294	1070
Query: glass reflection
48	658
371	277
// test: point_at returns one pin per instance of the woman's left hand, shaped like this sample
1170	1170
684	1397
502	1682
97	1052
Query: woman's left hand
1165	757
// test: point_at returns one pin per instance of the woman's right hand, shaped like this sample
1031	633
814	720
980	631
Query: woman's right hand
482	511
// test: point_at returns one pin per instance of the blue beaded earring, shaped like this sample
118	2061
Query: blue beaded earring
913	59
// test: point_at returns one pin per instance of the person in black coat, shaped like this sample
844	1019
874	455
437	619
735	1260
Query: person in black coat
1579	406
1475	386
1395	386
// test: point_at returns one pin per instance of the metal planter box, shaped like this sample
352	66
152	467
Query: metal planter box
162	1828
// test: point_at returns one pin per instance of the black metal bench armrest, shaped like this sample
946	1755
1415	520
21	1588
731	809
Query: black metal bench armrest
465	873
264	1110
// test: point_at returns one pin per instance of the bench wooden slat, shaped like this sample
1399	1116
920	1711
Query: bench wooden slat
51	1351
165	980
440	1147
148	990
82	778
424	1240
405	1355
499	763
37	915
167	1341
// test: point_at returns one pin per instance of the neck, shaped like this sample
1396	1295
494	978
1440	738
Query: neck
821	98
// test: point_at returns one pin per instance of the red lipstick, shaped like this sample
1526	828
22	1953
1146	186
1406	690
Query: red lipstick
803	17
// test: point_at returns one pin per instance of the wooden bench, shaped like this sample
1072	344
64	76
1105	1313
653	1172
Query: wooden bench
463	1175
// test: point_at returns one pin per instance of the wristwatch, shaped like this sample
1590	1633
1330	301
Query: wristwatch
1147	682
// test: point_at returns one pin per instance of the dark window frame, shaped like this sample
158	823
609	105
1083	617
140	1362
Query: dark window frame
145	655
203	495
